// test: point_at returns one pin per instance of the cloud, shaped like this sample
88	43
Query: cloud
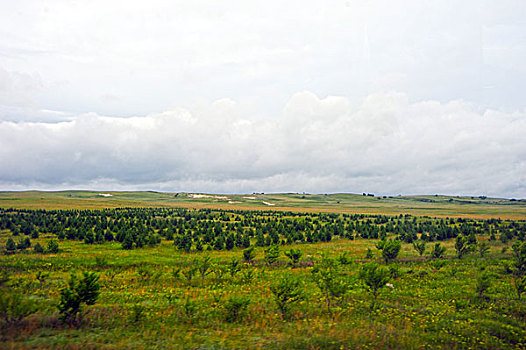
19	89
385	144
138	56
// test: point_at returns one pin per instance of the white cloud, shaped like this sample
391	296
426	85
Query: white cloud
386	145
68	68
151	56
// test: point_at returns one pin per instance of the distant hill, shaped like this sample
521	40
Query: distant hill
366	203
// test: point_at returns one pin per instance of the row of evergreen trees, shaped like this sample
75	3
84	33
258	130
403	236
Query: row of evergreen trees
220	229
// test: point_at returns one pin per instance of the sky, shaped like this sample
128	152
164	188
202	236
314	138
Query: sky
405	97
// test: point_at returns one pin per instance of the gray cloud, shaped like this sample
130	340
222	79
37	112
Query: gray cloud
385	144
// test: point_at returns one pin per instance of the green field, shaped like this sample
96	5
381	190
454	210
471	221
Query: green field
185	281
436	206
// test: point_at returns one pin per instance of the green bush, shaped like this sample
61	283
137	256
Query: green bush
374	278
52	247
249	254
235	308
438	251
10	246
38	248
420	247
234	267
462	246
391	249
272	254
483	249
14	307
294	256
287	292
331	282
77	292
483	284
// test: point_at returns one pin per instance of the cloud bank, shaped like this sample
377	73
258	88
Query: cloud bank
383	144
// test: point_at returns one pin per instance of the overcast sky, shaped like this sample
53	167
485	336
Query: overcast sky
411	97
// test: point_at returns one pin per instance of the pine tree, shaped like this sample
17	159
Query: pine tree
127	243
10	246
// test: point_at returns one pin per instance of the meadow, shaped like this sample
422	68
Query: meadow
307	272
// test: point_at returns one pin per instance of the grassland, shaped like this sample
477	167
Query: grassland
147	300
435	206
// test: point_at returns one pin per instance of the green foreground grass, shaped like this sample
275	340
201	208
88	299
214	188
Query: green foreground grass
145	303
433	304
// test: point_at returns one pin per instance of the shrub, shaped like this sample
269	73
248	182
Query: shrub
438	251
343	259
77	292
41	276
294	256
127	243
483	283
483	249
249	254
234	267
190	273
518	269
391	249
374	278
190	308
247	276
52	247
272	254
330	281
462	246
205	266
38	248
14	307
519	258
420	247
287	291
235	307
10	246
519	283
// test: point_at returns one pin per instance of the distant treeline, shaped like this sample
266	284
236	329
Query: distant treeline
207	229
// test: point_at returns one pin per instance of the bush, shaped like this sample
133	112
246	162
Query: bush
287	292
234	267
518	269
10	246
438	251
294	256
272	254
235	307
52	247
205	266
519	258
391	249
462	246
77	292
420	247
374	278
127	243
330	281
38	248
14	307
249	254
483	249
483	284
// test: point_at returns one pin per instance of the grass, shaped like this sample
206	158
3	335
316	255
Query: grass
434	206
142	305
